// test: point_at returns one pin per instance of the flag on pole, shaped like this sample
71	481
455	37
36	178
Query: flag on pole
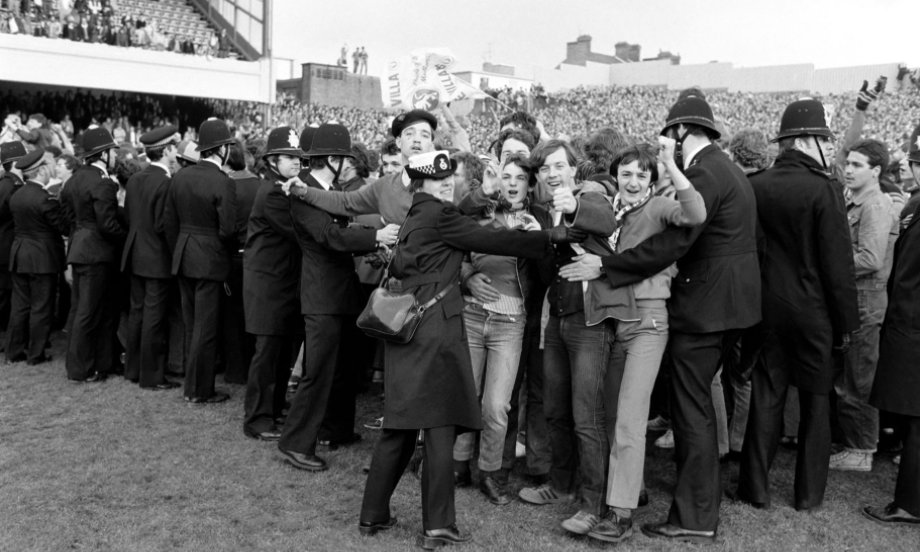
422	80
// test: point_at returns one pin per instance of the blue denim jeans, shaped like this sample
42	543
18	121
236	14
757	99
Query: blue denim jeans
575	361
634	365
858	419
495	352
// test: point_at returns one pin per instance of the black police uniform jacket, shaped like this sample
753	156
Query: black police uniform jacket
271	264
429	381
809	287
98	234
328	282
9	184
897	377
38	246
200	222
146	252
717	287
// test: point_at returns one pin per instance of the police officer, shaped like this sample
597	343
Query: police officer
271	276
36	260
809	301
10	182
97	241
200	225
147	259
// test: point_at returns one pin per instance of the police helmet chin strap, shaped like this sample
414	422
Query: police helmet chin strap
336	171
820	152
679	148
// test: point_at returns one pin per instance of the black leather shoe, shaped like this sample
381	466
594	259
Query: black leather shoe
890	515
368	528
270	435
21	357
463	479
333	444
429	540
673	532
162	386
304	462
213	399
735	496
95	377
494	491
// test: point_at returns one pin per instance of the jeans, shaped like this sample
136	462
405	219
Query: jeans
633	367
495	351
575	364
858	420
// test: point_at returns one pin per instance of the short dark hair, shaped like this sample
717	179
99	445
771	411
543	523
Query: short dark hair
523	162
875	151
645	154
524	121
545	149
236	159
602	146
361	161
69	161
513	134
389	147
472	163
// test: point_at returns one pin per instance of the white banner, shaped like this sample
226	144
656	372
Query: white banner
422	80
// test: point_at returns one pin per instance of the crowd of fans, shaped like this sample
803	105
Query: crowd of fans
104	22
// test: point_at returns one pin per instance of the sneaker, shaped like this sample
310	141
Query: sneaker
659	423
612	528
376	423
544	494
851	460
666	441
581	523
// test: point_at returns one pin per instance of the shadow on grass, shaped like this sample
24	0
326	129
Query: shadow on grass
112	467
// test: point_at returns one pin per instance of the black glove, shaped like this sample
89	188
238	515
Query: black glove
567	234
867	96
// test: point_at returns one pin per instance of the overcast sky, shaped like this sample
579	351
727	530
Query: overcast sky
534	33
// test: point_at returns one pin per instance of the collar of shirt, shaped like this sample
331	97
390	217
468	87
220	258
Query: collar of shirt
861	196
101	166
405	179
213	162
162	166
690	155
326	185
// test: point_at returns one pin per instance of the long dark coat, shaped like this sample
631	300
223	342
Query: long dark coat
429	381
146	252
200	222
328	282
38	246
718	284
897	377
809	288
9	184
271	265
98	234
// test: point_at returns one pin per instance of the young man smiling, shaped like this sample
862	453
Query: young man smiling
873	230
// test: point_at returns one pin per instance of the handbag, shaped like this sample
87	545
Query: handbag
394	316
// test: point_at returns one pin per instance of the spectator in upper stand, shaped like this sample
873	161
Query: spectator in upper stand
356	58
223	44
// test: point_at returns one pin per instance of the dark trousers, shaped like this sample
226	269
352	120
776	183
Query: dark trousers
530	376
91	347
320	359
696	359
266	385
339	420
177	351
31	311
769	386
907	489
391	456
6	291
237	345
147	339
201	314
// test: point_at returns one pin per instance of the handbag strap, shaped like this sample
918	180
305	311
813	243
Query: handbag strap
430	303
